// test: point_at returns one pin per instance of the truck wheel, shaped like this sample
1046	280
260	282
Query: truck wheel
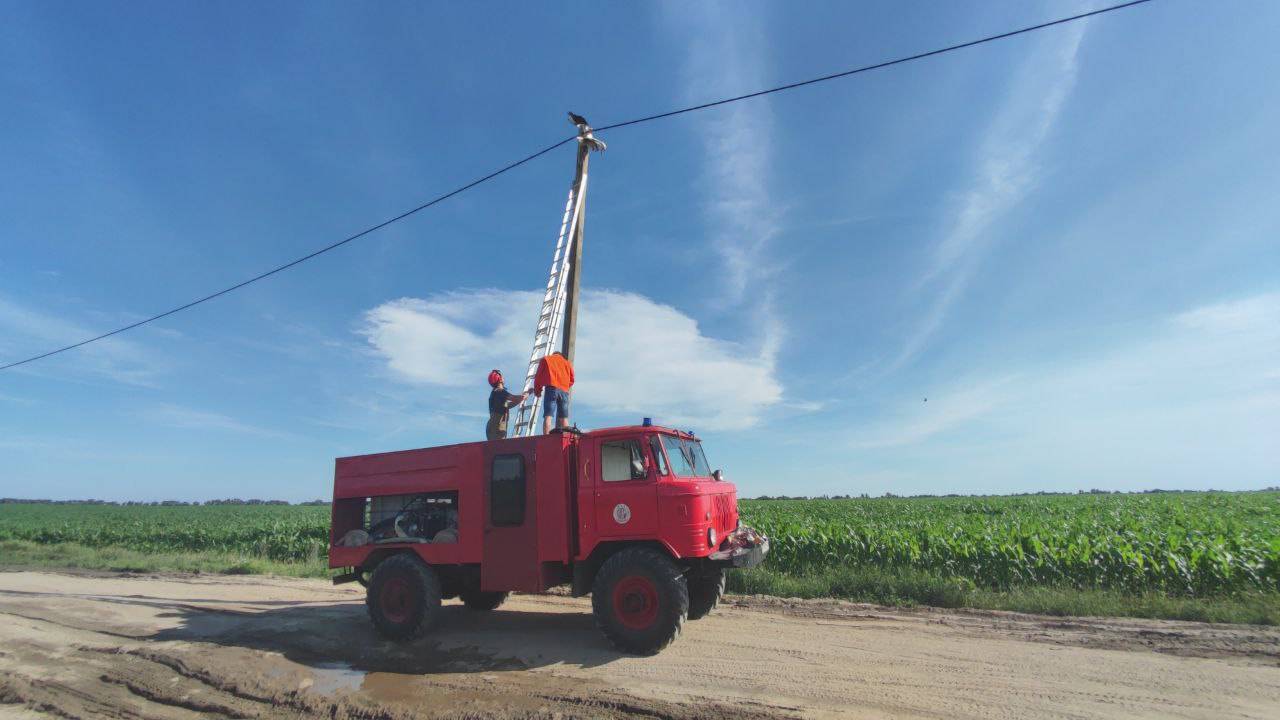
477	600
640	600
705	589
404	597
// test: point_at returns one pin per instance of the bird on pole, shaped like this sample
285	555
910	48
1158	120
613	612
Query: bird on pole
584	133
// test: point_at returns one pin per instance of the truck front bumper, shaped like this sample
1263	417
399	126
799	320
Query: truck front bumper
742	548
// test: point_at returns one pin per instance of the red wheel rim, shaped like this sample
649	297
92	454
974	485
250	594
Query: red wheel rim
396	600
635	602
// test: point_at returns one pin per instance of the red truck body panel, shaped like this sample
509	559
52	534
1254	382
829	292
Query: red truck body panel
528	508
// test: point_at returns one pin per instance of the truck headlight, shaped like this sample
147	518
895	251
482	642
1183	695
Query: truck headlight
711	537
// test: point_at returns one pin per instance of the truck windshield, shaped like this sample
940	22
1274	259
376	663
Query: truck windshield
686	457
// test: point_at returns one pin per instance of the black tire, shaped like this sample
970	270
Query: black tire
640	600
403	598
705	589
482	601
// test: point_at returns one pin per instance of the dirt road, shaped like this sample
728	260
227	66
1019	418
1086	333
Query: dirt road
81	645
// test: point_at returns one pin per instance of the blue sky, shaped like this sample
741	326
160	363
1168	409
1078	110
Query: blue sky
1069	242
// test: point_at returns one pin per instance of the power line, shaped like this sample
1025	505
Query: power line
549	148
300	260
867	68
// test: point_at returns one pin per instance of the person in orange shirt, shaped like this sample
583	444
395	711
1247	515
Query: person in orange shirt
555	373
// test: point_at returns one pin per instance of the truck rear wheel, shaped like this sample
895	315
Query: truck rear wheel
640	600
478	600
705	589
403	598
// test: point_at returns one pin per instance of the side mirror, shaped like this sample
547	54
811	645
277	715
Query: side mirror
717	475
639	470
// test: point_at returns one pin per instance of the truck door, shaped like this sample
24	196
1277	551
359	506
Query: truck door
509	558
626	497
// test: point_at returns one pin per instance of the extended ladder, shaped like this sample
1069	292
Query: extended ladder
556	294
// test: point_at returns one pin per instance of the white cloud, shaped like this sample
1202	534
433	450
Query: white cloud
1005	173
634	356
435	341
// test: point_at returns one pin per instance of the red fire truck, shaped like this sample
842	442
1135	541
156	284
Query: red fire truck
631	515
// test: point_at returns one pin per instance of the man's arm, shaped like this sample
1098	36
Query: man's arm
540	378
514	400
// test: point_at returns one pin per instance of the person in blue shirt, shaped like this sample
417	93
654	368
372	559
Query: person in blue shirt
500	402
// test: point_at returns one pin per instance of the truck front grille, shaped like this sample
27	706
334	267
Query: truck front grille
723	512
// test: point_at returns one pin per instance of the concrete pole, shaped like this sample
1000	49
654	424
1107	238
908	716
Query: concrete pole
569	334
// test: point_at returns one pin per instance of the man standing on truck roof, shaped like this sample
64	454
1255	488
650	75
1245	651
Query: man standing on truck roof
500	401
555	373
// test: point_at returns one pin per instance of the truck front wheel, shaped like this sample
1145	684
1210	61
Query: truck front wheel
404	597
640	600
705	589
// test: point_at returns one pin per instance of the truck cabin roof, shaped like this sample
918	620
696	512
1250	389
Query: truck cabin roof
632	429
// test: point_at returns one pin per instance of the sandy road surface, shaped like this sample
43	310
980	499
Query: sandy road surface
80	645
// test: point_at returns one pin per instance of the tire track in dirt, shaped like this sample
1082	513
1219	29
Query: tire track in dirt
74	672
165	647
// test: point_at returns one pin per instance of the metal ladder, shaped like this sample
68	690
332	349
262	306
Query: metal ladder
549	317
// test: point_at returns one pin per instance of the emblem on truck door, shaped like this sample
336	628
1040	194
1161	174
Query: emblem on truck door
621	513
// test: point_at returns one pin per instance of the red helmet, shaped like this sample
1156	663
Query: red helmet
495	377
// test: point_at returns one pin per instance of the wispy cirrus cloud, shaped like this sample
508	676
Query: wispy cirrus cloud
634	356
1251	316
726	56
933	416
187	418
1202	381
27	331
1006	171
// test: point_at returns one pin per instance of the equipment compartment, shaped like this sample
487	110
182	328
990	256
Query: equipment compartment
413	518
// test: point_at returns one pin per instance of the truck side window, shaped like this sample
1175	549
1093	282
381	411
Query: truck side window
655	446
507	491
621	460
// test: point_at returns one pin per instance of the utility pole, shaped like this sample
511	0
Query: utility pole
560	301
569	336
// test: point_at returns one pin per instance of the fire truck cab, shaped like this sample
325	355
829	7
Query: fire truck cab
631	515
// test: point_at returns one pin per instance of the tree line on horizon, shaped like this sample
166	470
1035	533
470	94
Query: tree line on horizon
862	496
157	503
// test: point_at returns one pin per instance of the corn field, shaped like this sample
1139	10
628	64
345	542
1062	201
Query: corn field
1177	543
276	532
1197	544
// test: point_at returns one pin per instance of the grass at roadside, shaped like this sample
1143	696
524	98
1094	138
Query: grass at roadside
905	587
19	553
